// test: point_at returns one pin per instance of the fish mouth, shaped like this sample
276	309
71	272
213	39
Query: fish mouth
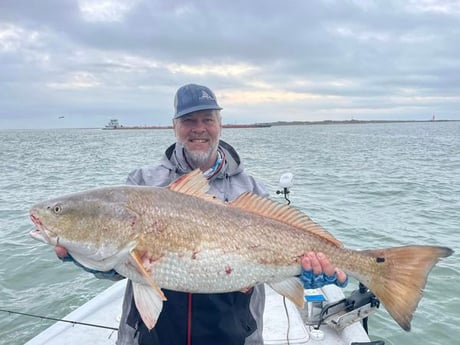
35	220
39	233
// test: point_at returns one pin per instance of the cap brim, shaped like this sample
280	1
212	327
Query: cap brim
197	108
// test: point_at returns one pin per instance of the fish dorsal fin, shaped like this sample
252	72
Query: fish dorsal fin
256	204
194	183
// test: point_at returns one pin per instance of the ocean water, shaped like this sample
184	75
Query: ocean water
371	185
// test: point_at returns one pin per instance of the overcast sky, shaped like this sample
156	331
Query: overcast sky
89	61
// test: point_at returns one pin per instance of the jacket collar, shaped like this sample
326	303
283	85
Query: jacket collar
174	160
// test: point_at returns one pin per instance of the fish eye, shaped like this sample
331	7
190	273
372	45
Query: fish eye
57	209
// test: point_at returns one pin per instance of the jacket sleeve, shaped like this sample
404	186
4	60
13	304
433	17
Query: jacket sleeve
158	176
259	188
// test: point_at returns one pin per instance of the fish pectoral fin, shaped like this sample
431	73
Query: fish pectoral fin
90	264
148	303
138	260
291	288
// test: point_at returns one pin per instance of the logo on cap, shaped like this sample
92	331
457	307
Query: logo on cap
205	95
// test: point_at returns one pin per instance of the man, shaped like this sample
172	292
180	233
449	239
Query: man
226	318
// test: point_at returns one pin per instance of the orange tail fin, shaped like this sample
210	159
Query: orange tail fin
400	277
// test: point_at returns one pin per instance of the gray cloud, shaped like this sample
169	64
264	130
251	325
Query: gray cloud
266	60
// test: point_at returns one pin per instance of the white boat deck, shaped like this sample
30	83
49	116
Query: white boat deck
105	310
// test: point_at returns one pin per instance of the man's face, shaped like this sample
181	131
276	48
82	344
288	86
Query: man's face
199	134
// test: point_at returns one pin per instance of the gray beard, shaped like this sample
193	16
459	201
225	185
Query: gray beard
200	159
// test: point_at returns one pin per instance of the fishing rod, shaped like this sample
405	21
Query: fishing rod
56	319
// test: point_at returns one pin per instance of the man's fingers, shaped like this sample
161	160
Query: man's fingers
341	275
326	266
61	252
318	271
315	264
319	263
306	264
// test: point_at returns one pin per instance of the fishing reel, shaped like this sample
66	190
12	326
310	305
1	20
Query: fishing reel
285	184
339	314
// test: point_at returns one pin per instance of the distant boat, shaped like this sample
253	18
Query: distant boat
113	124
60	117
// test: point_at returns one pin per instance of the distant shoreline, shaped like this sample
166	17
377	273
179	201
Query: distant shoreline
348	122
242	125
285	123
261	124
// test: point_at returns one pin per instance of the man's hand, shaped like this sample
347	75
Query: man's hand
61	252
317	271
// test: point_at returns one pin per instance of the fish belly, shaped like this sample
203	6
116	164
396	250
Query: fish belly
212	271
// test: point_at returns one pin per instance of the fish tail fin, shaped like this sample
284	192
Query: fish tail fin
400	276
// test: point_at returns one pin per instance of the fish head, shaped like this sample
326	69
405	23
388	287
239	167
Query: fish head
96	227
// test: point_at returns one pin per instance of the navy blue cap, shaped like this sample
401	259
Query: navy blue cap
192	97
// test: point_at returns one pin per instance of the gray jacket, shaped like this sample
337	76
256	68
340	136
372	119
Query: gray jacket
227	184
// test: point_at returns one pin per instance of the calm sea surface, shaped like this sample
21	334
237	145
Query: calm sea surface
371	185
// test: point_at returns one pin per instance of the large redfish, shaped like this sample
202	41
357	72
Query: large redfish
183	239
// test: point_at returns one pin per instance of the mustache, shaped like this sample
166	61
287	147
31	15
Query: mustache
199	137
